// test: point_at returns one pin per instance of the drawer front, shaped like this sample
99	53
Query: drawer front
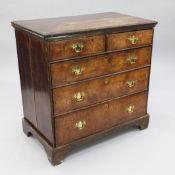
69	71
129	39
76	47
89	121
72	97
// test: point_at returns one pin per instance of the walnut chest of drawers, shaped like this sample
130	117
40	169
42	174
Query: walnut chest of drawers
83	77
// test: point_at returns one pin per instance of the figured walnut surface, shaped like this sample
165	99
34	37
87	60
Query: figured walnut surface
73	24
49	84
99	118
63	49
121	40
98	90
62	73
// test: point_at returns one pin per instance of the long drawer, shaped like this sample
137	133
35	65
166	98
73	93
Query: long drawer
89	121
79	95
75	47
129	39
71	71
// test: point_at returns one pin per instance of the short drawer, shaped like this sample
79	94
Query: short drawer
89	121
79	95
76	47
129	39
71	71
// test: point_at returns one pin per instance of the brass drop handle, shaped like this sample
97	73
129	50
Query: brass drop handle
131	83
78	70
130	109
79	96
77	47
133	39
80	125
132	59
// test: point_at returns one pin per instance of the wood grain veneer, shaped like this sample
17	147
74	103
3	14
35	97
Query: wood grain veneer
83	77
110	87
62	73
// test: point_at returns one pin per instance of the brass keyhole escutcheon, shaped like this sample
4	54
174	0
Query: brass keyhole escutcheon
106	58
131	83
77	47
132	59
106	81
78	70
79	96
130	109
80	125
133	39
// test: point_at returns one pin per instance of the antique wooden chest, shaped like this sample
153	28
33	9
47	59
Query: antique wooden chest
83	77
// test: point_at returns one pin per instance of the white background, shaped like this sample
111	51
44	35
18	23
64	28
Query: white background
150	151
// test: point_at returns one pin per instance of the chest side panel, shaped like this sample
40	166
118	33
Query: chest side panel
25	71
40	71
34	75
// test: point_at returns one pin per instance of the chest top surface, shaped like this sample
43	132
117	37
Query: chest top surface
83	23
